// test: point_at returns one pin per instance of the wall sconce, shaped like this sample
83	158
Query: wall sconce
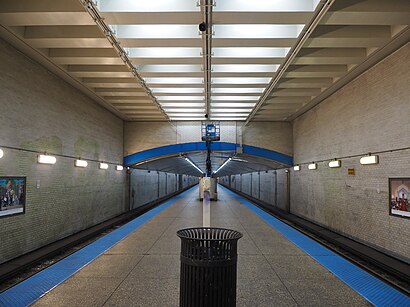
369	160
119	167
81	163
46	159
335	163
296	168
1	153
103	165
312	166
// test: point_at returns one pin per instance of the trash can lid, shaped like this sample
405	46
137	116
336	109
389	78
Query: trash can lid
209	234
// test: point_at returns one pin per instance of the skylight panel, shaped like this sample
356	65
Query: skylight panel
147	6
244	68
156	31
164	52
187	118
266	6
198	114
250	52
174	80
239	90
241	80
257	31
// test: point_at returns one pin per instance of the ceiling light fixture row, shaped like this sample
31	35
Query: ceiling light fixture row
335	163
91	8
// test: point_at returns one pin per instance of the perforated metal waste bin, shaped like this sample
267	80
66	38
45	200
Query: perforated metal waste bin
208	267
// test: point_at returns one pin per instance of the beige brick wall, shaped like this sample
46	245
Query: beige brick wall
140	136
39	111
275	136
369	114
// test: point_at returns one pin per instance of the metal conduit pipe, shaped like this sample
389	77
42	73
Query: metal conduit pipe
320	12
91	8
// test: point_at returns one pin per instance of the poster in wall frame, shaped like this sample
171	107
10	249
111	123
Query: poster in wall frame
399	197
12	195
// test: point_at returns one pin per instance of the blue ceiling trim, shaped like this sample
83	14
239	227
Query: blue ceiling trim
175	149
268	154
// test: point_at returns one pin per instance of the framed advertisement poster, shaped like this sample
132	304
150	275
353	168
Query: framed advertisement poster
12	196
399	191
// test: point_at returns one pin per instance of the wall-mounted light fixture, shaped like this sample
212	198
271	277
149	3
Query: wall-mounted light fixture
223	164
312	166
103	165
1	153
335	163
369	160
46	159
194	165
119	167
296	168
80	163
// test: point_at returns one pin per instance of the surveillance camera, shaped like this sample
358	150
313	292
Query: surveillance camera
206	115
202	26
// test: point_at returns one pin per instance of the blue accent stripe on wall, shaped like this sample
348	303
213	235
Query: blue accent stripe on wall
371	288
33	288
176	149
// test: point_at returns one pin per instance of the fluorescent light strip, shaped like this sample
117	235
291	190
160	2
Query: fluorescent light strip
147	6
241	80
103	165
156	31
257	31
229	114
187	118
46	159
175	80
164	52
198	114
235	97
228	118
312	166
232	104
265	6
80	163
223	164
168	90
213	110
1	153
119	167
182	104
369	160
168	68
182	110
163	98
194	165
244	68
241	90
296	168
335	163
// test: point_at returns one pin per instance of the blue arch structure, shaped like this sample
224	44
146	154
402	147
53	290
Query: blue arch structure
176	149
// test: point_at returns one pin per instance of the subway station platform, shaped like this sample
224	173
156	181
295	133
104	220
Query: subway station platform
138	264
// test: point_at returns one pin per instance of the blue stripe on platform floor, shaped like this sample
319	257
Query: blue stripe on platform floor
371	288
33	288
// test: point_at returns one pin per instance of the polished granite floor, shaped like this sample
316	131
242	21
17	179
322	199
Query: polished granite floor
143	269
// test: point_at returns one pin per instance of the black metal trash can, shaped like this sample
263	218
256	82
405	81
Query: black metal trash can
208	267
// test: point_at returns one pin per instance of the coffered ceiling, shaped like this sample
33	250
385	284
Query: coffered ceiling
254	60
